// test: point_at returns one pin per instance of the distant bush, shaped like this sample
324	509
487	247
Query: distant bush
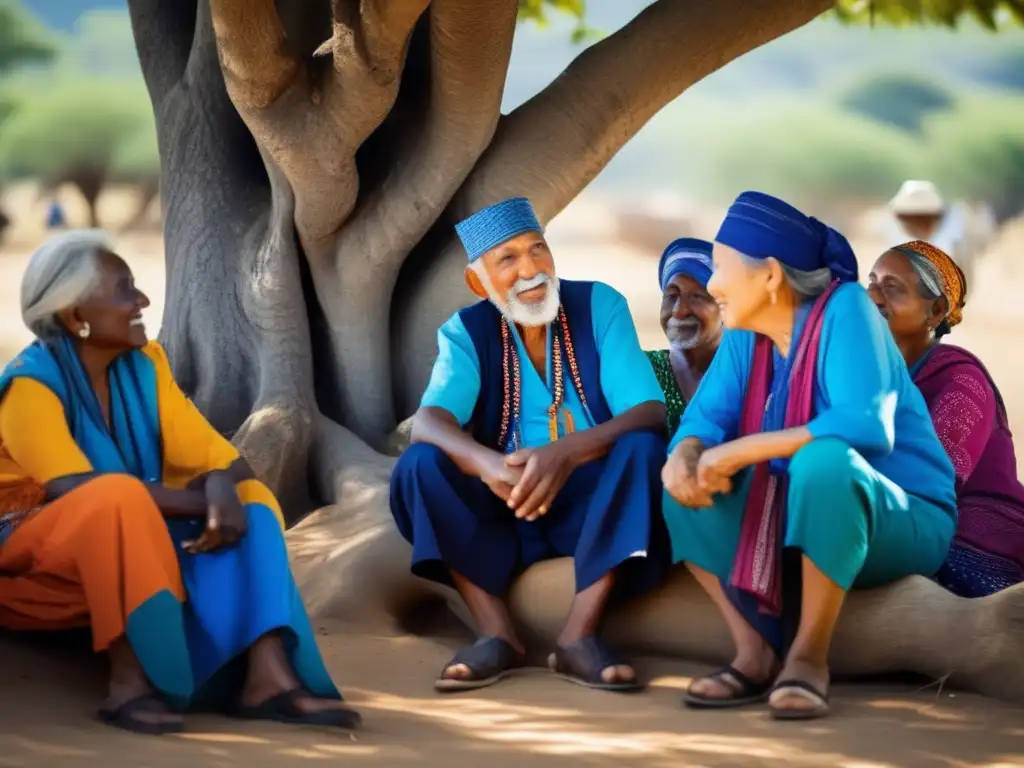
87	133
1004	70
805	153
978	153
899	100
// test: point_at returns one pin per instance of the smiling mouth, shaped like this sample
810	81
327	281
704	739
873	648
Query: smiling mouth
137	322
533	293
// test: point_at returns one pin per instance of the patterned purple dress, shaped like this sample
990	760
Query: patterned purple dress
969	415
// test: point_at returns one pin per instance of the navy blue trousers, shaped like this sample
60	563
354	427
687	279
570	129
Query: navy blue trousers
607	515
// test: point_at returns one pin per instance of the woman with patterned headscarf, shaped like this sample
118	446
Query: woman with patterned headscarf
691	322
921	293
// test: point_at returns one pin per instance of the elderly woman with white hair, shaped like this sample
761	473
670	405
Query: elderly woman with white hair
807	438
122	509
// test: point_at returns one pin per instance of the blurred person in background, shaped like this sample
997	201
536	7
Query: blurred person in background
920	213
55	217
806	442
921	293
123	510
691	322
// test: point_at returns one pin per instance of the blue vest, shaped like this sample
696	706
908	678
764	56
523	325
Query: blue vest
483	323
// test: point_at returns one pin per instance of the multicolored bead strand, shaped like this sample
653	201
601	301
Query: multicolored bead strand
512	383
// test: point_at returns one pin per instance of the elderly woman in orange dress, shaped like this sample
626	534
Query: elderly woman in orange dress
122	509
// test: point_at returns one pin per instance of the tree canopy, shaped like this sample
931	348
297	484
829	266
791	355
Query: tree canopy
23	40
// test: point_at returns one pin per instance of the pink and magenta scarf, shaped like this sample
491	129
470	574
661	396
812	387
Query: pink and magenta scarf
758	565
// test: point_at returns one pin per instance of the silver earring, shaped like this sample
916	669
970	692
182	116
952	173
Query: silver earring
84	331
773	296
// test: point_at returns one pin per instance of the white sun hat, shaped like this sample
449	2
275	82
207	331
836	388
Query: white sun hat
917	198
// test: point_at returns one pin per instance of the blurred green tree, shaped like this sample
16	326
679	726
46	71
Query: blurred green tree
23	40
979	153
87	133
898	99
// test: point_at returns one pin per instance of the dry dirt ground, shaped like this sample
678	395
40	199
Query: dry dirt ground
48	689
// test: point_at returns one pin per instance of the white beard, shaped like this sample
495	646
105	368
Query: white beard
520	312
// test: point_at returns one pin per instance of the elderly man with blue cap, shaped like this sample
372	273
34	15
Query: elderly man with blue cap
807	438
691	322
540	435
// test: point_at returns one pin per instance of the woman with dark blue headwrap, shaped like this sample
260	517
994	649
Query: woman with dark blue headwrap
691	322
806	439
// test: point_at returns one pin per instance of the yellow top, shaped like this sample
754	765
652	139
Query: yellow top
36	445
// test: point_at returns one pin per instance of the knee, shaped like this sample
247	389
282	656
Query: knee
122	490
644	444
419	458
826	464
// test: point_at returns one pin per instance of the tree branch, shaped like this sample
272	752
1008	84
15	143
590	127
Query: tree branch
470	47
258	66
163	38
552	146
311	125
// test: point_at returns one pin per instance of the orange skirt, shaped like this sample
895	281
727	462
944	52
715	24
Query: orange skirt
88	559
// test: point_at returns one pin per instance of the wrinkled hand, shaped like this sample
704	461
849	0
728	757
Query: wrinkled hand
545	470
717	466
679	476
226	522
499	477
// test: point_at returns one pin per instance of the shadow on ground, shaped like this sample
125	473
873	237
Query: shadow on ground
51	688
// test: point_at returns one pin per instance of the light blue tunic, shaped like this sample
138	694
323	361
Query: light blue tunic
627	379
864	396
870	499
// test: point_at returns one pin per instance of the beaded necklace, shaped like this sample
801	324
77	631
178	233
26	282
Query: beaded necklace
512	384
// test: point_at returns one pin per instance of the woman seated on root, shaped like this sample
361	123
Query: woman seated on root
807	436
921	293
123	510
691	322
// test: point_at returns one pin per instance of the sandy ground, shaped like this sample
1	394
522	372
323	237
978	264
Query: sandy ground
48	689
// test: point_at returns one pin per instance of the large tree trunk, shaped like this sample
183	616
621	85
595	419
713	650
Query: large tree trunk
315	156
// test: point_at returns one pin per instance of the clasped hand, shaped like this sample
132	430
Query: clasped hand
529	480
693	474
226	522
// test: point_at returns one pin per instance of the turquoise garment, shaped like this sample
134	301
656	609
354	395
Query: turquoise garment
864	396
626	382
856	525
235	595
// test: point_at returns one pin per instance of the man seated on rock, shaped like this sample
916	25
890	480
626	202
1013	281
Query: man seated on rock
540	435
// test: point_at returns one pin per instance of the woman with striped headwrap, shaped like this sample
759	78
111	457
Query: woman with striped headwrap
921	293
691	321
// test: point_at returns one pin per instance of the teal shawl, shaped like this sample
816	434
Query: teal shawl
131	445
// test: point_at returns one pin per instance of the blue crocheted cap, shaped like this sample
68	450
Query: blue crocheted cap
496	224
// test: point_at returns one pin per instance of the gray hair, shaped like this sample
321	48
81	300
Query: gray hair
806	284
929	286
60	275
928	277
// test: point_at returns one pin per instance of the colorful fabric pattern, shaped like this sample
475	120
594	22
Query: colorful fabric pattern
954	282
675	403
971	422
120	567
